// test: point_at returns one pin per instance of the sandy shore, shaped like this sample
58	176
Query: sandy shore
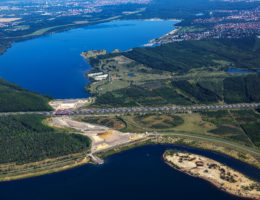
218	174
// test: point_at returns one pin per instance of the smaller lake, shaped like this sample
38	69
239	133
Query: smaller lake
52	64
137	174
131	75
233	70
237	71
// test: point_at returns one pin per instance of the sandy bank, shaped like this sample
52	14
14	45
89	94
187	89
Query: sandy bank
223	177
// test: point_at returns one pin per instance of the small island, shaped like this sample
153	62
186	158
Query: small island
93	53
218	174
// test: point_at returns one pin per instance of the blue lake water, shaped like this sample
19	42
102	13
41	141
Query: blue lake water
232	70
135	174
52	64
131	75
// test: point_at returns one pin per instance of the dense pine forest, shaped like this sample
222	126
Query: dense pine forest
13	98
25	139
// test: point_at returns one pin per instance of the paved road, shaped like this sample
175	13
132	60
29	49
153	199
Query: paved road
198	137
101	111
209	139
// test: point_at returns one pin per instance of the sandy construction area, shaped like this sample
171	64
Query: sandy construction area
69	103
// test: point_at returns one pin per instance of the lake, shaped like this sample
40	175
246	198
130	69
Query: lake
135	174
233	70
52	64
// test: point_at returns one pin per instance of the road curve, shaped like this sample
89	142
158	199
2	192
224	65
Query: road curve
209	139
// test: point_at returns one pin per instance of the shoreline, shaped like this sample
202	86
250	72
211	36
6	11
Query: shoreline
172	166
121	148
211	180
104	154
68	27
161	19
34	170
95	53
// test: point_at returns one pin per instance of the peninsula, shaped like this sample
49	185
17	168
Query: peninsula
220	175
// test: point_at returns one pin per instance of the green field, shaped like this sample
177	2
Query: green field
250	123
241	127
163	75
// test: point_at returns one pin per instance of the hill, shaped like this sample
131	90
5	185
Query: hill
241	53
13	98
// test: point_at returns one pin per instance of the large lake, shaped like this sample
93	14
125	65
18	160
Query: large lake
52	64
137	174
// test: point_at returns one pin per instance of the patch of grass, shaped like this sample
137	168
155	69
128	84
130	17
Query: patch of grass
171	96
230	124
215	86
194	123
203	95
245	116
158	122
242	89
231	132
249	120
111	122
225	129
253	132
218	117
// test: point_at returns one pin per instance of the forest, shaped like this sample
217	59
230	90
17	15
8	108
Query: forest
13	98
239	53
24	139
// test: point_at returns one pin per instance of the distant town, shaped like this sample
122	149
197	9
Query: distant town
217	24
15	15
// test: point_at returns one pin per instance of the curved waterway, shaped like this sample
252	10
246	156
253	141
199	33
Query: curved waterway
52	64
139	173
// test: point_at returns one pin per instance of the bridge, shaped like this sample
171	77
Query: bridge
100	111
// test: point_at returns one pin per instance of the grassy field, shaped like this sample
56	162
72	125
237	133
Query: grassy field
233	126
250	123
111	122
181	81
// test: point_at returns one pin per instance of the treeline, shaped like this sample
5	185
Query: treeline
183	56
4	45
250	123
203	95
242	89
14	98
137	95
239	89
25	139
230	90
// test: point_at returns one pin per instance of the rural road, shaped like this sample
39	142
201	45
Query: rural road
101	111
209	139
